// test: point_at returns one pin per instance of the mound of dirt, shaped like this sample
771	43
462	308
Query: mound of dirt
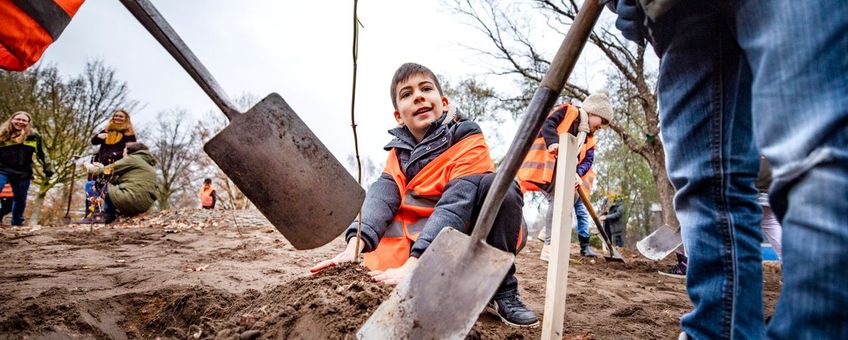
330	305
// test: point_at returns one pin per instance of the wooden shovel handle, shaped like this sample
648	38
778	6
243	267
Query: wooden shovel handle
542	102
152	20
585	198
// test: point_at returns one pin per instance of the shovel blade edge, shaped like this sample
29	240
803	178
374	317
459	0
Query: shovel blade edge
291	177
660	243
444	295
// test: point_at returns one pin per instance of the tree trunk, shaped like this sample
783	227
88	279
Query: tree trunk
35	212
664	188
163	201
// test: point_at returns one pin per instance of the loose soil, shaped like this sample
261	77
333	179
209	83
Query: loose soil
199	274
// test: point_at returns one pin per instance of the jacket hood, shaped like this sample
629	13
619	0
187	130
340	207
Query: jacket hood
146	156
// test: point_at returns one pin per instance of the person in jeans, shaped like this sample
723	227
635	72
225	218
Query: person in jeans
737	79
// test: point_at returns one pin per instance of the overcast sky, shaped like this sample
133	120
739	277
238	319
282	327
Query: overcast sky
299	49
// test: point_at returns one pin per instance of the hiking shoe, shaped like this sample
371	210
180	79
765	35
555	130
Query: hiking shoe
678	270
545	255
585	248
512	311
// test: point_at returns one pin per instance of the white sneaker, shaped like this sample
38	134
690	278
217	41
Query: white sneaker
546	253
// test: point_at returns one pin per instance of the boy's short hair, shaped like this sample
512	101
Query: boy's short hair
207	181
408	70
133	147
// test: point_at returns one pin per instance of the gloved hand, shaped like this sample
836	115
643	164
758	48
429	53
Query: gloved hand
93	168
631	21
48	173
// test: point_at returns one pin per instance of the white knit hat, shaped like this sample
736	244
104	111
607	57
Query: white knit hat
598	104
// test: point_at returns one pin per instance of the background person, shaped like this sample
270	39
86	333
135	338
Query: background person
539	166
132	187
18	142
208	196
112	141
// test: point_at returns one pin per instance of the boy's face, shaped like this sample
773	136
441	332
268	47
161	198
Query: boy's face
596	122
419	104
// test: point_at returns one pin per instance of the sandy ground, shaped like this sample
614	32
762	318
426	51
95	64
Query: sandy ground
222	274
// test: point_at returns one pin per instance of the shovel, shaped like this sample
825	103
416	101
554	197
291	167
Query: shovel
269	153
614	255
458	274
660	243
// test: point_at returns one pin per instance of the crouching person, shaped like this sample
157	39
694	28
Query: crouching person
437	175
132	187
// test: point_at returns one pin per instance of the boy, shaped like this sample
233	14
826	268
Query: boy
208	198
437	175
537	171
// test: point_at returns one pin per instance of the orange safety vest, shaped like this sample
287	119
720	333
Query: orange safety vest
7	191
420	195
538	166
206	196
29	27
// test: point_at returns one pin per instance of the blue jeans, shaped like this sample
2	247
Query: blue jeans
20	188
735	77
580	213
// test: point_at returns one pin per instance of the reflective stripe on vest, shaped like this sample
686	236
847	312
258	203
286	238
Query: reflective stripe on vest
29	27
7	191
206	196
538	166
420	195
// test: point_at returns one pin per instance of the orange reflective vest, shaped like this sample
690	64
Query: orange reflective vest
420	195
28	27
7	191
206	199
538	166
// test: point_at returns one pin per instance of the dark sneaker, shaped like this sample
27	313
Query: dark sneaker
678	270
512	311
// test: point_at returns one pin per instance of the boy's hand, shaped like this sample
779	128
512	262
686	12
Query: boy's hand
102	135
393	276
554	148
347	255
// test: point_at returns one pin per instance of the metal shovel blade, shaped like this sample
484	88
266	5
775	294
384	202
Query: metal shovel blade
291	177
444	295
660	243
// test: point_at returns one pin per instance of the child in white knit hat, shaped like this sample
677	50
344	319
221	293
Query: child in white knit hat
537	170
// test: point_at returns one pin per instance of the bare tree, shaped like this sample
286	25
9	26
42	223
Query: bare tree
510	27
175	149
65	113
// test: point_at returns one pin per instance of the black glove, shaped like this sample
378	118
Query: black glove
631	21
48	173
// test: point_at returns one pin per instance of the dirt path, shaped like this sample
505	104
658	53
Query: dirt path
218	274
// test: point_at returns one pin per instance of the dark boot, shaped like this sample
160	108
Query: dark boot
513	312
585	248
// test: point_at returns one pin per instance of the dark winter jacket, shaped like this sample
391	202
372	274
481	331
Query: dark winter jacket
383	198
614	216
16	158
133	187
109	153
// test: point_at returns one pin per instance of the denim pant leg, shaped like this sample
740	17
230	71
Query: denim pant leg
20	187
581	214
705	113
798	51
